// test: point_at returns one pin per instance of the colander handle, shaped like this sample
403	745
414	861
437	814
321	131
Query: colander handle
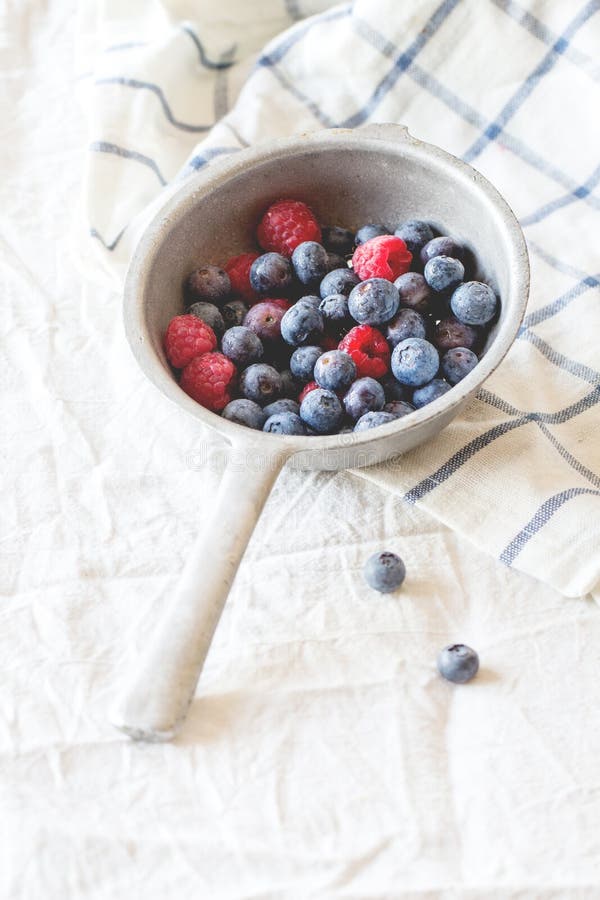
156	700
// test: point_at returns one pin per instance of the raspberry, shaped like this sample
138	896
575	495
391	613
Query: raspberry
187	337
369	350
209	379
385	256
238	269
286	224
311	386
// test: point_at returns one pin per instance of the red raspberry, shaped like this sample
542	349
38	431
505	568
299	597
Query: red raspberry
286	224
209	380
369	350
311	386
385	256
188	336
238	269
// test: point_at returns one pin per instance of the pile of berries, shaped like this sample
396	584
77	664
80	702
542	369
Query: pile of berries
328	331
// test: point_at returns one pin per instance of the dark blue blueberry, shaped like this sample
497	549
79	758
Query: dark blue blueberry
271	273
384	572
393	389
302	324
339	281
335	261
335	310
285	423
302	362
474	303
365	395
442	246
310	262
281	406
415	235
208	283
414	291
310	300
430	392
374	420
449	332
245	412
290	388
337	240
457	363
443	273
260	383
458	663
374	301
210	314
242	346
415	362
234	313
405	324
322	411
366	232
398	408
335	370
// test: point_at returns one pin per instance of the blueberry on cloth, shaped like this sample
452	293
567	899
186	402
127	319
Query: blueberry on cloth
384	572
458	663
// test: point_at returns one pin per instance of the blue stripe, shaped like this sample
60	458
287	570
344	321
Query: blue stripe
227	58
579	193
155	89
291	88
128	45
575	464
279	49
556	263
96	234
551	309
293	10
105	147
201	159
563	362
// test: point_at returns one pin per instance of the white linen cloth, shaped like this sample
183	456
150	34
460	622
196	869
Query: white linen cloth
323	757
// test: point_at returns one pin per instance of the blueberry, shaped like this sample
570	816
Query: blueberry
457	363
289	386
281	406
310	300
458	663
365	395
264	319
398	408
208	283
335	370
415	235
366	232
337	240
310	262
430	392
260	383
335	261
442	246
234	313
393	389
384	572
405	324
414	291
301	324
271	273
443	272
415	362
374	301
245	412
322	411
339	281
210	314
474	303
374	420
302	362
335	310
285	423
242	346
450	333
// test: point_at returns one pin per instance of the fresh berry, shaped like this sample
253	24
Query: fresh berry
286	224
209	283
310	262
373	302
365	395
415	235
384	572
186	338
302	324
261	383
414	291
271	273
234	313
369	350
458	663
430	392
457	363
366	232
406	323
238	269
393	389
338	240
335	311
450	333
339	281
381	257
209	380
474	303
374	420
322	411
311	386
285	423
210	315
289	385
443	273
335	261
335	370
415	362
280	302
442	246
245	412
302	362
398	408
281	406
310	300
264	319
242	346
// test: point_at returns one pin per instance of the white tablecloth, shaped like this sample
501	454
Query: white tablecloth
323	757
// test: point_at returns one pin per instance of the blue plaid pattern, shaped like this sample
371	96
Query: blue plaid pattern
511	87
